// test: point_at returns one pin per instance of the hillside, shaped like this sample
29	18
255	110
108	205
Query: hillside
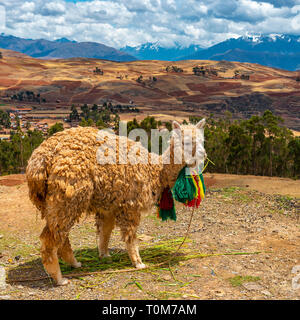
224	86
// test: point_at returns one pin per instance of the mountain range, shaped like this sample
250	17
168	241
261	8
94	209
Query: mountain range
63	49
279	51
155	51
274	50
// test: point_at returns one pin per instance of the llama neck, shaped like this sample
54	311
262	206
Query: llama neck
169	170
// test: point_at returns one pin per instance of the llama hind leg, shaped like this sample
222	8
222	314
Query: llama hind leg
66	253
105	224
49	256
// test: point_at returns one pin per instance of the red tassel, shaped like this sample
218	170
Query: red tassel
166	201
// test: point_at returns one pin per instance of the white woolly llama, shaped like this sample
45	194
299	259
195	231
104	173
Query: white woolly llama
65	180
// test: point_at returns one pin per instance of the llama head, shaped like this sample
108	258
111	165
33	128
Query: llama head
189	144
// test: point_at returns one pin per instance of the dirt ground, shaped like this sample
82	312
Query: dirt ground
244	243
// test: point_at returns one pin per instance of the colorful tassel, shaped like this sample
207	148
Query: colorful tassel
166	206
189	189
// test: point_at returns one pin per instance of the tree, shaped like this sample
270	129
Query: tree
168	125
255	129
100	124
245	77
199	71
28	125
5	119
85	112
294	156
131	125
74	115
98	71
239	147
174	69
90	122
139	79
18	123
58	126
271	125
194	119
86	123
95	108
15	153
149	123
116	122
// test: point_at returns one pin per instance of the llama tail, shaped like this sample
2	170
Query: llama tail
37	176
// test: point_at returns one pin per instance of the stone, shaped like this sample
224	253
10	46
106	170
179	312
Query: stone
144	237
266	293
252	286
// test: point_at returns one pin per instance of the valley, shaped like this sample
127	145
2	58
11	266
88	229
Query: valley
243	89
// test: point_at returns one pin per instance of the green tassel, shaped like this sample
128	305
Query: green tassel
184	189
167	214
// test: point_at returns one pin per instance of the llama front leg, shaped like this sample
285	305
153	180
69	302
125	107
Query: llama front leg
105	224
128	229
133	252
49	256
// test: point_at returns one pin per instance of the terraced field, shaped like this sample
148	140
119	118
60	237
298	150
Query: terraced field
72	81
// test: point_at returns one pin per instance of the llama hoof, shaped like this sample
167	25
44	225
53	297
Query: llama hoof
140	266
63	282
77	265
105	258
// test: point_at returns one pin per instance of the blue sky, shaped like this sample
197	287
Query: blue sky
132	22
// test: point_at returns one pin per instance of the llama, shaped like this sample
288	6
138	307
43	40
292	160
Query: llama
65	180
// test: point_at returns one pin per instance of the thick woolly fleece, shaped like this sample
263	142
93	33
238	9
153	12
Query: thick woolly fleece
65	180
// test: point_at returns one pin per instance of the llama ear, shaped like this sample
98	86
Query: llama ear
201	124
176	125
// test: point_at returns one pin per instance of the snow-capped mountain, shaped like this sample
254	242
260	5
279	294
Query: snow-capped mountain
155	51
273	50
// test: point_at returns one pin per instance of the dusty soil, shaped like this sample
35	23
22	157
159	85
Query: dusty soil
12	180
244	243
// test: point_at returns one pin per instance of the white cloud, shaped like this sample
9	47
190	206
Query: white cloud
2	18
28	6
53	8
131	22
296	23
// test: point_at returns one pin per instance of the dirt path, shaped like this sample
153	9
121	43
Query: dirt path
243	244
269	185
